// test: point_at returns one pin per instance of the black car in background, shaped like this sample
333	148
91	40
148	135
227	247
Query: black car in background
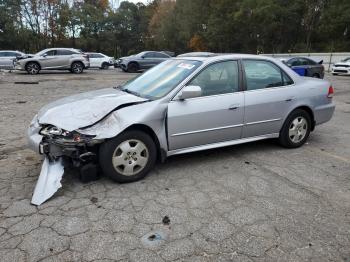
141	61
305	66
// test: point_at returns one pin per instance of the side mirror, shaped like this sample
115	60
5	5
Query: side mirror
143	57
190	92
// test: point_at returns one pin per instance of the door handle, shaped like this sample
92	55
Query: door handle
289	99
233	107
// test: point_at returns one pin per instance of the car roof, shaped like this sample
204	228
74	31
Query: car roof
60	48
219	57
197	54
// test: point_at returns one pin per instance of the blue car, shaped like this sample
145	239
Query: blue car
305	66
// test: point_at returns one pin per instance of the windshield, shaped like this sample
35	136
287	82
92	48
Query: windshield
161	79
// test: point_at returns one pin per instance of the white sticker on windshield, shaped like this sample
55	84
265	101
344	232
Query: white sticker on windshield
186	66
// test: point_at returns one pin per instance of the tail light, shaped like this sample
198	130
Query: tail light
330	92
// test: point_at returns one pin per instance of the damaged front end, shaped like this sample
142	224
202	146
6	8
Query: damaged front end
77	148
68	133
60	149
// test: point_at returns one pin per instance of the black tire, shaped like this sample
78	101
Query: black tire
77	68
104	66
316	75
133	67
285	139
109	148
33	68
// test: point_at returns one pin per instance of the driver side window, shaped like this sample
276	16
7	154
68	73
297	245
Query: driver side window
218	78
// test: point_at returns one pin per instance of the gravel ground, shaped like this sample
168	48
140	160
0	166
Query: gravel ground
253	202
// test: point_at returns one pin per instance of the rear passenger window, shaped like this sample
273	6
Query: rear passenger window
264	74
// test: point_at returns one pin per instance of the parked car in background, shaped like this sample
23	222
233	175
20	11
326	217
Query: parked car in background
197	54
7	58
182	105
305	66
141	61
99	60
55	59
342	67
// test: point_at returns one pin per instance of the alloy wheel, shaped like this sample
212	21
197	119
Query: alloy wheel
298	129
130	157
77	68
32	68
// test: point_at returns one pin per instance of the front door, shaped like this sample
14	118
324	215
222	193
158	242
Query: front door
269	96
215	116
47	60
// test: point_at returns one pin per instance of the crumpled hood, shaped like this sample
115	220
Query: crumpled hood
84	109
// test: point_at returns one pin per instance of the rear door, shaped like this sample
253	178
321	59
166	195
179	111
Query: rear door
269	96
149	60
63	58
160	57
216	116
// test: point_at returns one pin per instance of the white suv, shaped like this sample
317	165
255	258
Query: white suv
99	60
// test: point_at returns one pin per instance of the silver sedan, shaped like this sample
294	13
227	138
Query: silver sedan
180	106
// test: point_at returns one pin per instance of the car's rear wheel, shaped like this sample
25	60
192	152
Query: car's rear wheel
128	157
104	66
77	68
316	75
33	68
133	67
296	129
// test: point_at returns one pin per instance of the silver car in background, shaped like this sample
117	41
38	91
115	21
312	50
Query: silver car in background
7	58
182	105
55	59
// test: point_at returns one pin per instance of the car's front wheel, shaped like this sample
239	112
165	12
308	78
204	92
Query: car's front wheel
32	68
296	129
128	157
77	68
133	67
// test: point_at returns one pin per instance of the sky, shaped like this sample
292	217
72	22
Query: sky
115	3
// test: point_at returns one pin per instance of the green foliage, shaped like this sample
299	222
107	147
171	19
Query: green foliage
249	26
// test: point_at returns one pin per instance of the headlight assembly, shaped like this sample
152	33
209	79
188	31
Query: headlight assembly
52	131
